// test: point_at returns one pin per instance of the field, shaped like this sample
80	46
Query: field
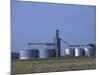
52	65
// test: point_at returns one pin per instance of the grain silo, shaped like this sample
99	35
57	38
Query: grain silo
89	52
46	53
79	52
28	53
70	52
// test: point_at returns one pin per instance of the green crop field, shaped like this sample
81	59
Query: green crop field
52	65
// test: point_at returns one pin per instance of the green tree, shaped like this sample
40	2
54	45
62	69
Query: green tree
93	46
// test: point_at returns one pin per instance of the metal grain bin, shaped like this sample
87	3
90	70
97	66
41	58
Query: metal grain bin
28	53
79	52
89	52
46	53
70	52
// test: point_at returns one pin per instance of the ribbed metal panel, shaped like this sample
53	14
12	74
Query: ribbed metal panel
79	52
89	52
46	53
70	52
28	53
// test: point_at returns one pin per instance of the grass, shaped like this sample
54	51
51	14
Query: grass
52	65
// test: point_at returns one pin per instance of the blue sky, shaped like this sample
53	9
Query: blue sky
37	22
